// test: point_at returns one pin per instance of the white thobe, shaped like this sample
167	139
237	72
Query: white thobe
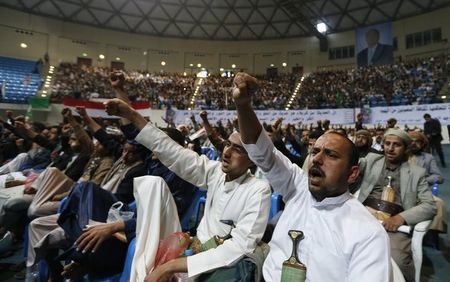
245	201
342	241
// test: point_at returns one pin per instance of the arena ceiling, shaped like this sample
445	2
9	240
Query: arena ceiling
226	19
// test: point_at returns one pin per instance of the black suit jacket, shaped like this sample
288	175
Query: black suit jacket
384	55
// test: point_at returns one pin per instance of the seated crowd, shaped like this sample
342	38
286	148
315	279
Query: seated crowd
412	82
416	81
323	234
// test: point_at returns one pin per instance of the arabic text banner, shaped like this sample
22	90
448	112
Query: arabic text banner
411	115
336	116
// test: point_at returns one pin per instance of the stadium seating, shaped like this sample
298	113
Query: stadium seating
12	80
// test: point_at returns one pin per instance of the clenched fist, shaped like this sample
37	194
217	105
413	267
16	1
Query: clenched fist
244	86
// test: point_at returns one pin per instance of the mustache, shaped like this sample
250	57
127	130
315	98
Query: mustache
316	171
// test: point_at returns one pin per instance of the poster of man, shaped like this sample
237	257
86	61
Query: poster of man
374	45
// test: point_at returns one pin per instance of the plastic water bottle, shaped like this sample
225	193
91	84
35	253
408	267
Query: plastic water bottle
435	189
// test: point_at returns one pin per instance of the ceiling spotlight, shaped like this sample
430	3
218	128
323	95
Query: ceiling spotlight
145	53
221	69
117	58
101	56
284	64
199	65
23	45
191	65
321	27
84	54
163	63
233	66
272	65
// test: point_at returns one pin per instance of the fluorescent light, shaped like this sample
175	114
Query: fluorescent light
233	66
23	45
117	58
101	56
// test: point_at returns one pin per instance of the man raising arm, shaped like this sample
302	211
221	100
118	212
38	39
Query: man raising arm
342	241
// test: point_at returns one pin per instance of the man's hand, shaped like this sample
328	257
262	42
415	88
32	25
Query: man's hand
66	128
29	191
164	272
244	87
67	113
276	130
93	236
159	274
204	116
193	119
117	80
393	223
20	142
81	111
117	107
9	114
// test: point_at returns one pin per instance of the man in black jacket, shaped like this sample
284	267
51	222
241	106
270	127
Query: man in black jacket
432	129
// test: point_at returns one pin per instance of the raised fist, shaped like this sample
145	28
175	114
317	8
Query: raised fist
81	111
117	107
244	86
117	79
204	115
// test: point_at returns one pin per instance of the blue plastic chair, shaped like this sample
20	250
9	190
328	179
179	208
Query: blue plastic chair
201	202
190	211
125	277
210	153
275	204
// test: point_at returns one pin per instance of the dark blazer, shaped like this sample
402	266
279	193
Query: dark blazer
384	55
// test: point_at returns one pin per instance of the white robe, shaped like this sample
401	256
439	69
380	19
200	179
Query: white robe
342	241
245	201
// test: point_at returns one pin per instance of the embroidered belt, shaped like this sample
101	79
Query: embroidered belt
383	206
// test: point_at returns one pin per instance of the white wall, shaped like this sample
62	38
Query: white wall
56	37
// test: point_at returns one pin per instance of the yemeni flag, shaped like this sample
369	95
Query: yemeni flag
97	108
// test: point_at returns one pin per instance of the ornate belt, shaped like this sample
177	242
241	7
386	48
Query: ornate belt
383	206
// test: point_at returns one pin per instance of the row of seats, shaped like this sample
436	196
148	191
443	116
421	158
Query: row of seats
13	73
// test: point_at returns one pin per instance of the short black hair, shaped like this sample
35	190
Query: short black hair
426	115
315	134
353	156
